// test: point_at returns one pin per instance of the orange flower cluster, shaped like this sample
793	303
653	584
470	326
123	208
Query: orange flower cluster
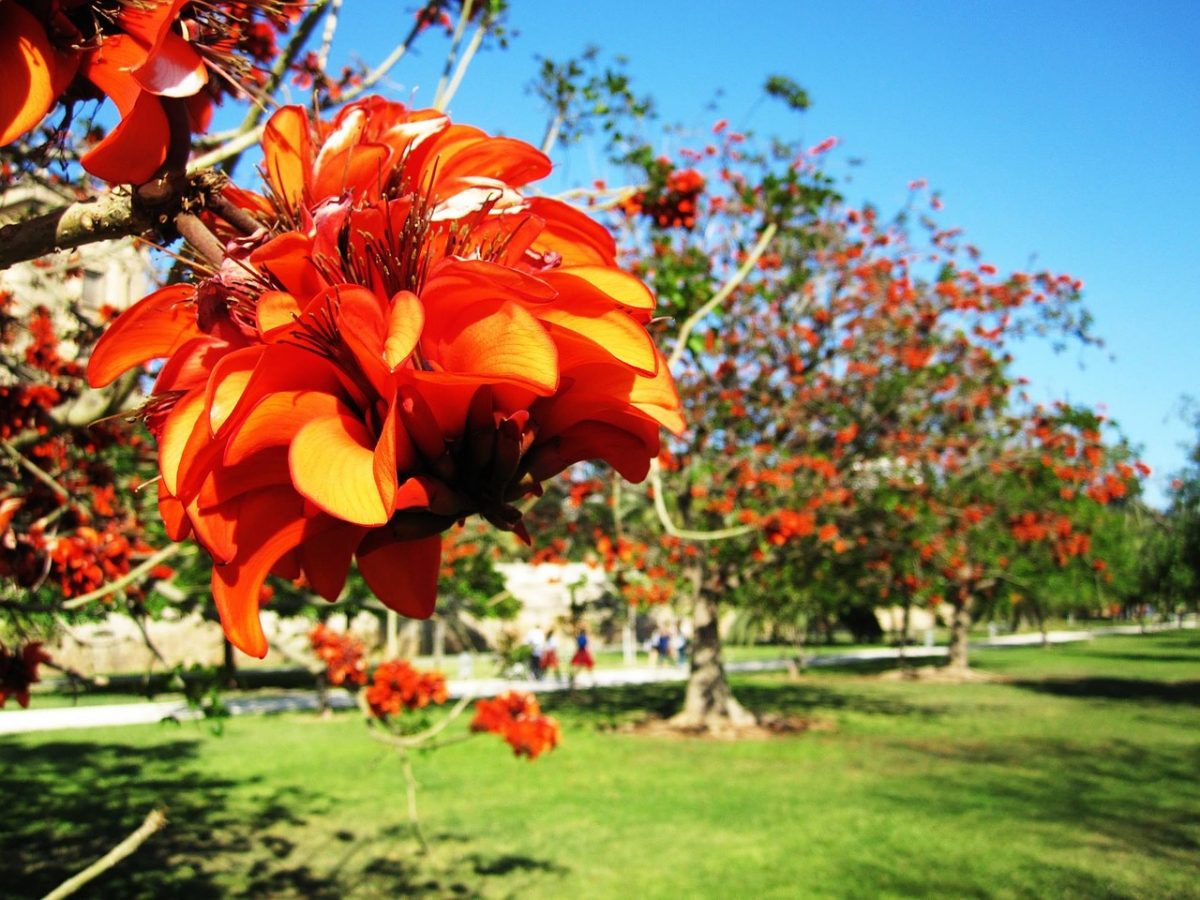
85	559
18	670
397	687
672	204
163	63
411	342
517	718
341	653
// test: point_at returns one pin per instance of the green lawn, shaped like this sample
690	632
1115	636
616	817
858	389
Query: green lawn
1075	777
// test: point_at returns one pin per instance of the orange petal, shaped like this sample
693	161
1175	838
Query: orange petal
32	72
266	468
175	520
270	524
288	259
188	365
176	433
287	155
623	451
275	309
227	384
402	574
173	69
596	334
405	320
578	238
495	341
326	561
332	460
133	151
609	283
149	329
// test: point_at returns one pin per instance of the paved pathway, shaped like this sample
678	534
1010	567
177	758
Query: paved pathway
19	720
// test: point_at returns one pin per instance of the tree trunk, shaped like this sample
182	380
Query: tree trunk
960	624
904	625
229	666
439	642
709	704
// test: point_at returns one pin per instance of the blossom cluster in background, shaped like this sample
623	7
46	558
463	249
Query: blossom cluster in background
517	718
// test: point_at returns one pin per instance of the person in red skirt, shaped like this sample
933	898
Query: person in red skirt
549	658
583	657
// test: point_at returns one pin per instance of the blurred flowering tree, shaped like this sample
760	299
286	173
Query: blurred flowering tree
856	435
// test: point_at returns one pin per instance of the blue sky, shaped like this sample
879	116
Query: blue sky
1060	134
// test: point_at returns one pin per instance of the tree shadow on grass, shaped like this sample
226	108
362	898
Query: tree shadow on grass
1135	797
607	707
1099	688
68	802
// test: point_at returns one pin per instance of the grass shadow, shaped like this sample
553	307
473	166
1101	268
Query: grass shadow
607	707
68	802
1101	688
1138	798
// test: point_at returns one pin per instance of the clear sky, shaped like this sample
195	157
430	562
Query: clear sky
1060	134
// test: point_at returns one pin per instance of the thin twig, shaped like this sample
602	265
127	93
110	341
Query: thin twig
461	69
664	516
331	24
33	469
460	28
154	820
744	270
125	580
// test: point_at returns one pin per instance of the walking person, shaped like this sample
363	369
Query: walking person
549	658
583	656
535	640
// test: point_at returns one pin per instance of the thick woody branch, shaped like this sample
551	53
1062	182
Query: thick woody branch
107	217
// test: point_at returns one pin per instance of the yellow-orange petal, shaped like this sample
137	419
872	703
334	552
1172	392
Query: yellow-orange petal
176	433
402	574
494	341
32	73
332	460
405	319
274	421
612	284
227	383
287	155
607	333
151	328
575	236
270	525
275	309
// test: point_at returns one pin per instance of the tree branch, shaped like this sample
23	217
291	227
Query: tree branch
109	216
154	820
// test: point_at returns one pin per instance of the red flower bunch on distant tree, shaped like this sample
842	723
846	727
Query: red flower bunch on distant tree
398	687
18	670
162	62
670	201
341	653
411	341
517	718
